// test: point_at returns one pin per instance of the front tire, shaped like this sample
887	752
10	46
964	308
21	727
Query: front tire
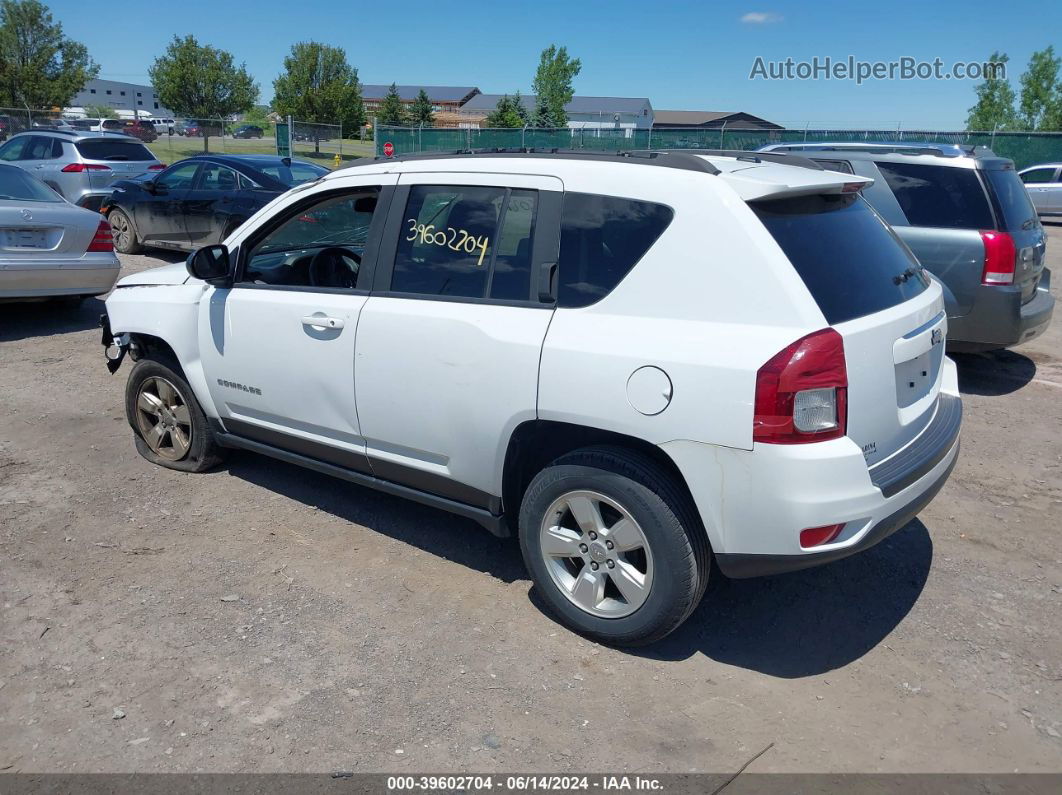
169	427
613	546
125	239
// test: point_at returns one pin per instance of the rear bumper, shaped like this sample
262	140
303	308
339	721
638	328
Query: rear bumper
755	503
58	279
998	318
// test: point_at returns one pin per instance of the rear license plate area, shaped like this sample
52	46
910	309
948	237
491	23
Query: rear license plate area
24	238
915	377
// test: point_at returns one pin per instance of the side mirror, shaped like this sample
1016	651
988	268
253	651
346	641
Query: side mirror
211	264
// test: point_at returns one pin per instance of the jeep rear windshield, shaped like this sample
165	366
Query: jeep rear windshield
107	149
852	263
1012	199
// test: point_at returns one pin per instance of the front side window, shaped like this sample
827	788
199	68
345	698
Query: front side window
602	238
216	177
466	242
318	246
12	150
939	196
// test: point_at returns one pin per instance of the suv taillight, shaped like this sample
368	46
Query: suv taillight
103	240
999	258
77	168
157	167
802	392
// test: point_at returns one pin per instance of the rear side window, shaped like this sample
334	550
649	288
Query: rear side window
105	149
852	263
602	238
466	241
1012	199
939	196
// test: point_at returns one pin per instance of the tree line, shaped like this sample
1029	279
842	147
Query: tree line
1036	107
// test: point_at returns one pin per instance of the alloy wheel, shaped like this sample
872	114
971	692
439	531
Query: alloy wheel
596	554
163	418
121	231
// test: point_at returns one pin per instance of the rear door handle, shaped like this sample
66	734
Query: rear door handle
321	321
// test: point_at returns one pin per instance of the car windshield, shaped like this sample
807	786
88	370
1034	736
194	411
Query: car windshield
16	184
1012	198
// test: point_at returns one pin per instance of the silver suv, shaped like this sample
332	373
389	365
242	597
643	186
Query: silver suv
966	215
79	165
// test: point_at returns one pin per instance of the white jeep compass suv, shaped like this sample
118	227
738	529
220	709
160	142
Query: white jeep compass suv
634	363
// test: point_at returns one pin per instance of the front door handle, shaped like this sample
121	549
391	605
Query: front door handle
321	321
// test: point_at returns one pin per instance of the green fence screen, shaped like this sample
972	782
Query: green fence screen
1024	148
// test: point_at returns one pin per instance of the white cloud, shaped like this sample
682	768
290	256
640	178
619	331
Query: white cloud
761	18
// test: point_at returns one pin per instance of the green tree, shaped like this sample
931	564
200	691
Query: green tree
509	112
392	112
202	82
994	109
100	112
39	66
421	112
318	85
1041	94
553	86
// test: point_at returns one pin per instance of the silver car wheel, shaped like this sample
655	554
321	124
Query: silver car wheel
596	554
163	419
121	231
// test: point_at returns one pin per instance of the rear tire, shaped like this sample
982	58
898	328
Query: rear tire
125	239
169	427
653	575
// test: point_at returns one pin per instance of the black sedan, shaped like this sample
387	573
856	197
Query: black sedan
199	201
248	131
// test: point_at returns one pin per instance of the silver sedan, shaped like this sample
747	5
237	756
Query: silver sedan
49	247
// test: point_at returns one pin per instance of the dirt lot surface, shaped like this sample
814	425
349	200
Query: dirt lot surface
264	618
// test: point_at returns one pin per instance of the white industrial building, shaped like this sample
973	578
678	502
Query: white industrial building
127	99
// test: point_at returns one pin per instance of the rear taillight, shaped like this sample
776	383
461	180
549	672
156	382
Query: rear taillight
817	536
102	240
999	258
77	168
157	167
801	393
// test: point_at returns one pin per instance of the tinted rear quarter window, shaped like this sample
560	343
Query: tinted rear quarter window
1012	199
852	263
602	238
939	196
103	149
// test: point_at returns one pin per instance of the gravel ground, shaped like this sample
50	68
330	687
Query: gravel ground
263	618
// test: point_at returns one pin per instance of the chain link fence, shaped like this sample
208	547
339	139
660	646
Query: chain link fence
1024	148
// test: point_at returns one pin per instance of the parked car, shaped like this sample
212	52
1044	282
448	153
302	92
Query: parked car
48	247
545	343
199	201
966	216
163	126
1044	186
196	129
248	131
180	128
79	166
144	130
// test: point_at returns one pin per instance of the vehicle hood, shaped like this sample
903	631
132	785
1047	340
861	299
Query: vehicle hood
175	273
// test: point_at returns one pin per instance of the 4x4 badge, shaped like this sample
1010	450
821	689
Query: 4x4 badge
936	337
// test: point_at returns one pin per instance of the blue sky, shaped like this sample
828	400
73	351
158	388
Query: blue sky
682	55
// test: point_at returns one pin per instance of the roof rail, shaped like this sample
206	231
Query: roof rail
896	147
751	157
641	157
